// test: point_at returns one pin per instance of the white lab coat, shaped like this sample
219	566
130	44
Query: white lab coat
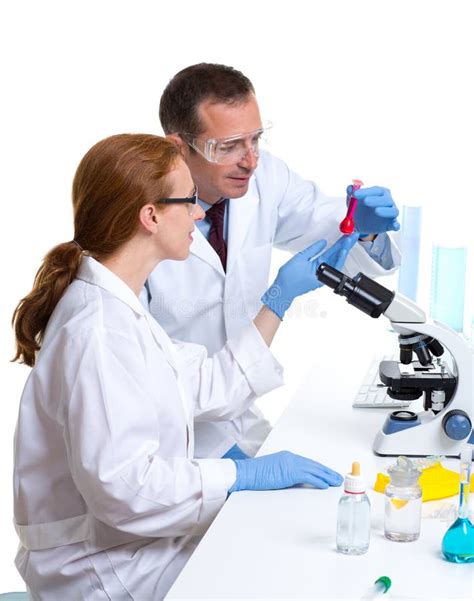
195	300
108	496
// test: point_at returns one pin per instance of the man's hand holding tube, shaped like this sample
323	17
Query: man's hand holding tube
376	211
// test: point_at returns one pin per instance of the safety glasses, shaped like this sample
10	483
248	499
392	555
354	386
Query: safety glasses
191	201
230	150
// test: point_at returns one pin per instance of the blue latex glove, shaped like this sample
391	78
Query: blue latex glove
235	452
376	212
298	275
282	470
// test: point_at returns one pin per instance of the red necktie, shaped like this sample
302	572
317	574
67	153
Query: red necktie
216	234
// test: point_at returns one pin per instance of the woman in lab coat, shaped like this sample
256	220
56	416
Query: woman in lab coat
108	496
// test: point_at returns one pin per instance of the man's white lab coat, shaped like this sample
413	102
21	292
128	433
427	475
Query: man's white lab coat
107	493
194	300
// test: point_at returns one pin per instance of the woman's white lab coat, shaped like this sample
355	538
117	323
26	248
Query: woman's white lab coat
194	300
107	493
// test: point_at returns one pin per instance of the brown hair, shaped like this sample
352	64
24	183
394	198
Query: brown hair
114	180
184	93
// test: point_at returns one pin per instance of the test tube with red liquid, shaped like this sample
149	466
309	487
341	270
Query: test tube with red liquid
347	224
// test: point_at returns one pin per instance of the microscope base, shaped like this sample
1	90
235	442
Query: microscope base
429	439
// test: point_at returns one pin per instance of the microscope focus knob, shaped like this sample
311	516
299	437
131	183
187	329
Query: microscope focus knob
457	424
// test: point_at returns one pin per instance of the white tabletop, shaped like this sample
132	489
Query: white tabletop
281	544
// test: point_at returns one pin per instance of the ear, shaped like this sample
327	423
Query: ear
180	143
149	218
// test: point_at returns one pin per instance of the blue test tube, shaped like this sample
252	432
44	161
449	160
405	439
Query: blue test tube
448	275
410	247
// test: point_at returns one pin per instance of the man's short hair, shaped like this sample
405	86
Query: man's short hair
206	81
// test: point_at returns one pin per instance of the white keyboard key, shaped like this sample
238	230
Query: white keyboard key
371	397
372	393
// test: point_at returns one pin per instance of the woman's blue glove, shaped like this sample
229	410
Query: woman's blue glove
298	275
282	470
375	212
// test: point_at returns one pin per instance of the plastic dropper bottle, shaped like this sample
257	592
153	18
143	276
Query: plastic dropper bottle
353	515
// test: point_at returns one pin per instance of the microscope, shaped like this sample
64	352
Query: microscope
436	363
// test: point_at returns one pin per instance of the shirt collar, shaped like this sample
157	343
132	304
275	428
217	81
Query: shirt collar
206	206
95	273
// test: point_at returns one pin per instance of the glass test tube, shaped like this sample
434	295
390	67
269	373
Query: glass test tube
410	247
448	275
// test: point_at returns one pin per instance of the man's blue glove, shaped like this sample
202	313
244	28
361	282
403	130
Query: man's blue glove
375	212
298	275
282	470
235	452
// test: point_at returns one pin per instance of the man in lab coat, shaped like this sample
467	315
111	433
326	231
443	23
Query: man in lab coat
257	203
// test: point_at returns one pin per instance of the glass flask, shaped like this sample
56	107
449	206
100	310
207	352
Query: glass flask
458	542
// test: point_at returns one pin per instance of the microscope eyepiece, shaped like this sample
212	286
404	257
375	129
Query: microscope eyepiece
360	291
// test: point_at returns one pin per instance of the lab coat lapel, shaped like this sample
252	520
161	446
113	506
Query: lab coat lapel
241	215
165	343
202	249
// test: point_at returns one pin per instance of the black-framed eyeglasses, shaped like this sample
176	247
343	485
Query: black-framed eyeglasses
191	200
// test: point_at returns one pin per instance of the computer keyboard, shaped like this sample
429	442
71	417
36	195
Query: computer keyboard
372	393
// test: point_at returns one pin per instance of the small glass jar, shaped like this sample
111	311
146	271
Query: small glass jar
403	502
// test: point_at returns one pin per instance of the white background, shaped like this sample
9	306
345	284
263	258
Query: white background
371	89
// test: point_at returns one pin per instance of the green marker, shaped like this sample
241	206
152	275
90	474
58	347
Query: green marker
379	588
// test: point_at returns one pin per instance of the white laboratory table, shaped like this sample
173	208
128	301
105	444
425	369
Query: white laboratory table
281	544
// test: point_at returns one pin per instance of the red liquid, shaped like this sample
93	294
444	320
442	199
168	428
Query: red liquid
347	225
